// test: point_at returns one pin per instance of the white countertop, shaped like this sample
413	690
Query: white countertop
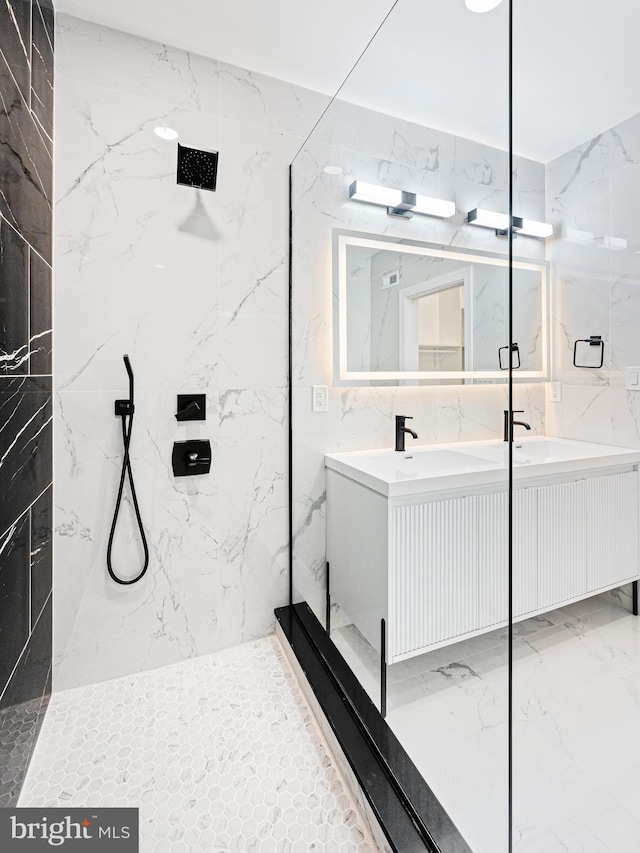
431	468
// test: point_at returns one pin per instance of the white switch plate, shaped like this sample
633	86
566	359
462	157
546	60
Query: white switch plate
633	378
555	392
320	398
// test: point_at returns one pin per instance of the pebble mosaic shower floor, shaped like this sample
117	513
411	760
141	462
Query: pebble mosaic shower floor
220	753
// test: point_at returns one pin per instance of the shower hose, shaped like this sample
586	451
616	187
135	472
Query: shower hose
127	427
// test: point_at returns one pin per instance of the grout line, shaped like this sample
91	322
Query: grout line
30	54
30	543
42	609
3	219
13	671
41	129
30	353
16	520
44	26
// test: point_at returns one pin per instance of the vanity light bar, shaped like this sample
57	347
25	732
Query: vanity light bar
616	244
574	235
434	207
531	228
500	223
488	219
400	202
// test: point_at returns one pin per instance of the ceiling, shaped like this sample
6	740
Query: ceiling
433	62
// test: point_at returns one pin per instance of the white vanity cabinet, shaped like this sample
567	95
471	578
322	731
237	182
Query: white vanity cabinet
435	565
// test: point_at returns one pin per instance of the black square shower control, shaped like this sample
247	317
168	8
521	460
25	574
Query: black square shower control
197	168
192	407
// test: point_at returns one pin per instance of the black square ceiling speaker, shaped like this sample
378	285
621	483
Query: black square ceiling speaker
197	168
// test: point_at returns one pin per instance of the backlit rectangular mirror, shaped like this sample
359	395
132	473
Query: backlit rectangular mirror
413	313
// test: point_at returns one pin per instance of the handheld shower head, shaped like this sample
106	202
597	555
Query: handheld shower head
127	364
125	409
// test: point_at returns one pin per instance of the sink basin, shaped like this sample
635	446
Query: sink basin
431	468
429	462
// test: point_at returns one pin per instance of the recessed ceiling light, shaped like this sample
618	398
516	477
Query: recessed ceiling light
165	132
333	170
482	5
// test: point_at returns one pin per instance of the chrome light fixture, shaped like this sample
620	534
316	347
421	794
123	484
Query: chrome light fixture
499	222
399	202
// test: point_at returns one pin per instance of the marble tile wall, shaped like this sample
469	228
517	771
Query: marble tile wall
26	130
193	285
383	149
592	193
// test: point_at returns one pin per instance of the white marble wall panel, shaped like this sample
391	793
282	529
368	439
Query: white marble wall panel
135	66
625	265
594	189
252	98
383	149
135	251
582	164
625	143
193	285
103	630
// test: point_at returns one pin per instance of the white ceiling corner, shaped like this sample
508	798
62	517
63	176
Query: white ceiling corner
434	62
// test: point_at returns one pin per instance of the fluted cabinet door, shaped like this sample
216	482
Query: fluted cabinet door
525	551
493	558
611	521
435	590
493	555
562	543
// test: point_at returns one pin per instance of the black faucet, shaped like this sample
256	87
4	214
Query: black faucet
508	433
400	431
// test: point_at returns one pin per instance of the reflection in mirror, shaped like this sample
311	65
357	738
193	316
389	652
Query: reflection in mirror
417	312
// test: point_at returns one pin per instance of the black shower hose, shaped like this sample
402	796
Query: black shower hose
126	469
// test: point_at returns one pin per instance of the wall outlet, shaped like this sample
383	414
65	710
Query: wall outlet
633	378
320	398
555	392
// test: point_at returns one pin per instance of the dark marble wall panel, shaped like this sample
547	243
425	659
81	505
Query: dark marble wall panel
26	168
40	316
14	302
42	65
15	40
26	172
22	709
15	622
41	553
25	444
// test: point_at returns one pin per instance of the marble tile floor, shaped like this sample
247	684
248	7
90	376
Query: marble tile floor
220	753
576	727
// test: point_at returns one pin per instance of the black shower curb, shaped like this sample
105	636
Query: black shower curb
408	812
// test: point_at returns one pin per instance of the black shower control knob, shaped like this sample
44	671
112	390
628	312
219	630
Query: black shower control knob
191	457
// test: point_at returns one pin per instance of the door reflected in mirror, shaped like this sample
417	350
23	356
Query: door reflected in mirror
414	313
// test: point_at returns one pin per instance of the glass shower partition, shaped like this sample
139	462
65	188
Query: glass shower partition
404	342
576	676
